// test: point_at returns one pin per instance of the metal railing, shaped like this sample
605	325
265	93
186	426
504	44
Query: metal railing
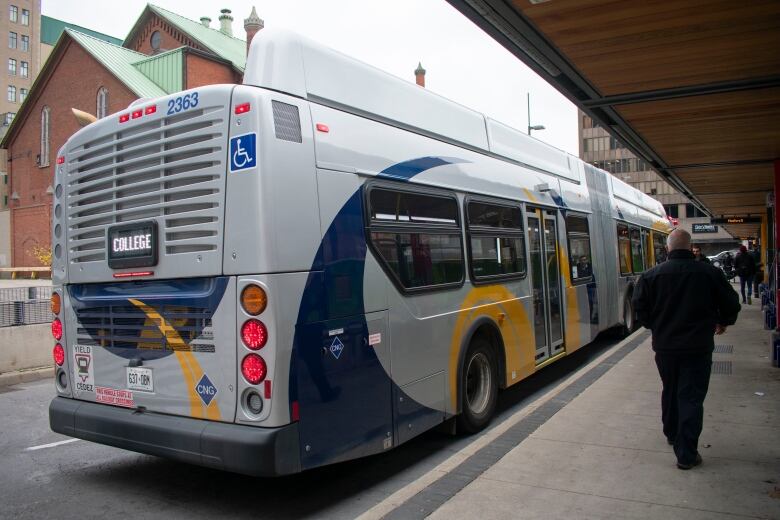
25	306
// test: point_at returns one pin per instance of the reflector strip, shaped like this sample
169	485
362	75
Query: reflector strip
267	388
127	275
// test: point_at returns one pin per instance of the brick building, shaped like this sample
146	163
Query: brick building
163	53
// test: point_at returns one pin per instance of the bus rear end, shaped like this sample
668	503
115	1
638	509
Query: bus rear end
166	335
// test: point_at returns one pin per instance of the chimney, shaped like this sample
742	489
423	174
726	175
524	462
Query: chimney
252	26
419	75
226	22
206	21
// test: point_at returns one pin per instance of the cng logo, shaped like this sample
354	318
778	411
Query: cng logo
205	389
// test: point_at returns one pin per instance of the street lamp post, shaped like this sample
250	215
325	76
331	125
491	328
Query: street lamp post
532	127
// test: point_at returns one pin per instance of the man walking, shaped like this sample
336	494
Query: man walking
745	266
698	256
684	303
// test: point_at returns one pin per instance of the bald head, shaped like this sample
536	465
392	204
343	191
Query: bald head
678	239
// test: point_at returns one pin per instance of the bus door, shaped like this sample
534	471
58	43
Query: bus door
545	281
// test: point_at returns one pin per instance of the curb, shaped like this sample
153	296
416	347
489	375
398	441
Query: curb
26	376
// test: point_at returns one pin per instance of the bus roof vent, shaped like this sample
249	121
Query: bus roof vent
287	122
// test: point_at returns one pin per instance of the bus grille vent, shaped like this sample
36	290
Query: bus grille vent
287	122
170	170
128	327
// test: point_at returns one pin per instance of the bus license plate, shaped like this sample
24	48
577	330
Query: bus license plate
140	379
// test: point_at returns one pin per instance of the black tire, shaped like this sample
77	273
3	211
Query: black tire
629	318
478	386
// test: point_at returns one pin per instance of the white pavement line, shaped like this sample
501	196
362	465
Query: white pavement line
405	493
51	445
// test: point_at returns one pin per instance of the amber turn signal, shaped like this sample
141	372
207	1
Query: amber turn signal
253	299
55	303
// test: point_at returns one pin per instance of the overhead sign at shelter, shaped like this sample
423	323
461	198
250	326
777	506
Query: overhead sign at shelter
737	220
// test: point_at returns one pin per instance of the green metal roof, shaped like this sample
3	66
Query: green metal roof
226	47
51	29
166	69
120	62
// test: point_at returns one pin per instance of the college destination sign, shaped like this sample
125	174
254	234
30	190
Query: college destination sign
705	228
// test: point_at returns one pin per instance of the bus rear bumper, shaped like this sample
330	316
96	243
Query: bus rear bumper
231	447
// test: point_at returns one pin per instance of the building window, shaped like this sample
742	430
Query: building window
102	103
44	156
9	117
12	40
25	17
12	66
417	238
672	210
496	240
13	13
24	70
22	95
11	93
579	248
25	43
692	211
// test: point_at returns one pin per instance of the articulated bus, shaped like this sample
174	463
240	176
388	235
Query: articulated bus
321	264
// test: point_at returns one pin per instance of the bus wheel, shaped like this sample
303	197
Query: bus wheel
479	387
629	319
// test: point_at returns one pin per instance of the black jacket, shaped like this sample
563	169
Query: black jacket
745	264
681	301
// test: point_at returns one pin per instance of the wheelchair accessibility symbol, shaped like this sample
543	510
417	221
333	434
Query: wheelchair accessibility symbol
243	152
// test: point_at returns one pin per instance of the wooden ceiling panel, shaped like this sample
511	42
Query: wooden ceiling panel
624	47
729	127
755	178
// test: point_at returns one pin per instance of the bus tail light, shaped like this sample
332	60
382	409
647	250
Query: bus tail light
253	299
56	329
254	334
59	354
253	368
56	303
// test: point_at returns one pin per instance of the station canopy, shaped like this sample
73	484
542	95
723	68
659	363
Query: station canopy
692	87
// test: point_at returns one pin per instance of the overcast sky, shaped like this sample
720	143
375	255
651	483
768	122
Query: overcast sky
462	62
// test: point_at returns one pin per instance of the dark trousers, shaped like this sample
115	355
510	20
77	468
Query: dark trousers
685	378
743	281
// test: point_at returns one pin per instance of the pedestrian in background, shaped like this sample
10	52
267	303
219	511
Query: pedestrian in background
745	266
684	303
699	257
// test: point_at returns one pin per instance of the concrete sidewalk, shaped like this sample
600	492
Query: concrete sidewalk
603	455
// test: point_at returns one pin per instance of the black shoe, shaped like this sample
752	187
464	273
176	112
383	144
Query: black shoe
695	463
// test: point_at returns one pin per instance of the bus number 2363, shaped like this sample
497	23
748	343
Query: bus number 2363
182	103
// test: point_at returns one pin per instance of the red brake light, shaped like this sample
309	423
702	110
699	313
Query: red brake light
56	329
151	109
321	127
137	113
243	108
59	354
255	334
124	118
60	159
253	368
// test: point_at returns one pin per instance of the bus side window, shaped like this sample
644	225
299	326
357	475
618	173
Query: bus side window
624	249
659	247
636	251
417	237
496	240
580	260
